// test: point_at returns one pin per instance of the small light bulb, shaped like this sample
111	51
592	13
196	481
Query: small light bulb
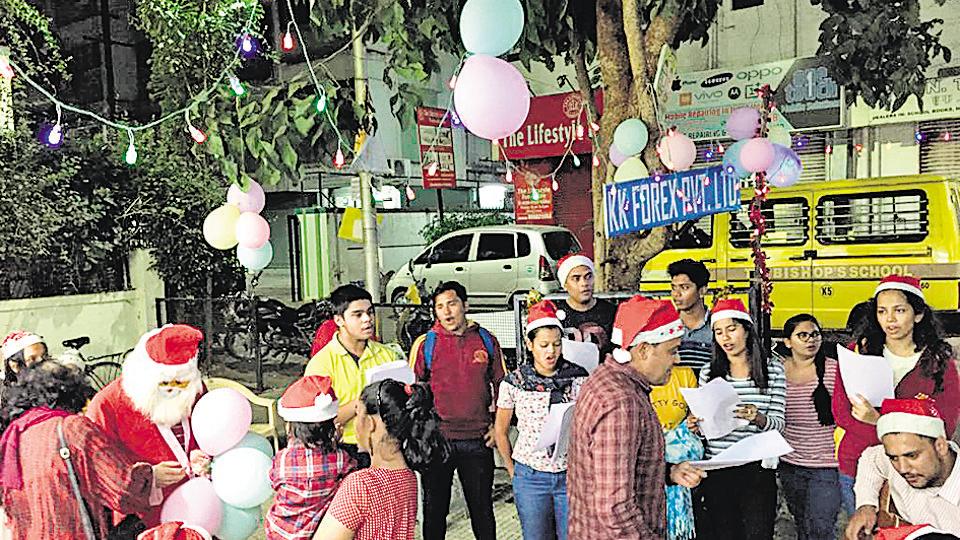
288	43
918	136
432	168
236	86
556	185
535	195
828	150
596	161
509	175
412	195
455	118
594	126
576	160
721	149
947	136
131	156
320	104
579	131
708	154
197	135
55	137
339	160
453	82
246	44
6	70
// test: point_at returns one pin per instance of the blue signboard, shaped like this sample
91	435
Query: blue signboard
671	198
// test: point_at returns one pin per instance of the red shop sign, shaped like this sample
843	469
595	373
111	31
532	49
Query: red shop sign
436	148
553	122
533	198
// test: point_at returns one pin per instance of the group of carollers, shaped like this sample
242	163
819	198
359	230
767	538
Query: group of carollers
348	470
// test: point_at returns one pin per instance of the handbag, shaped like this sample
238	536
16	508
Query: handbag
75	485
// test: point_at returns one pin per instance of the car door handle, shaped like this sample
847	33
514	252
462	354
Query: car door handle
508	267
739	259
458	269
712	261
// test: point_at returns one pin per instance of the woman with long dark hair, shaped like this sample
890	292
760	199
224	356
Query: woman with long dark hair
741	502
398	426
809	475
530	391
902	328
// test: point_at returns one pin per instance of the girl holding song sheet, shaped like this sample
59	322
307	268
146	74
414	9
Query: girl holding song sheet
741	502
539	476
902	329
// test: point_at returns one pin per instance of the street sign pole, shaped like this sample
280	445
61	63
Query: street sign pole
368	205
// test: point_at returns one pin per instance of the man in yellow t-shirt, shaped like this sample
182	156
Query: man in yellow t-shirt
668	401
348	356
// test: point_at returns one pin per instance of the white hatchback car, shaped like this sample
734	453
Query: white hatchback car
494	263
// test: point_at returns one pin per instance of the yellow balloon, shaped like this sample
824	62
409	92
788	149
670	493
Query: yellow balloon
631	169
220	227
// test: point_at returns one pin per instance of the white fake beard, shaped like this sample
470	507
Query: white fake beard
168	406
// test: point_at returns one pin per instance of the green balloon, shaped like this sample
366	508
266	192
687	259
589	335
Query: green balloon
238	523
257	442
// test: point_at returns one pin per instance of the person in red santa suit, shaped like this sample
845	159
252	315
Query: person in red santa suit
147	410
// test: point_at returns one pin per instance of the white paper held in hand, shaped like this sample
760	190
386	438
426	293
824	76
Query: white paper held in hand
583	353
766	445
398	370
869	376
714	403
556	430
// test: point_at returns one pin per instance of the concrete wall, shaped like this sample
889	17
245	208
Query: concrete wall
114	321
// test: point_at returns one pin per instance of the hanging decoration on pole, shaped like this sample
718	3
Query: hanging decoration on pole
761	189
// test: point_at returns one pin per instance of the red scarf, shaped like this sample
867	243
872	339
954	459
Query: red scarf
11	475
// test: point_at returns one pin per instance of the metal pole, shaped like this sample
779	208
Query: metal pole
368	205
440	203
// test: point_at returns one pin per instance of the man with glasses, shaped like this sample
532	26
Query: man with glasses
688	288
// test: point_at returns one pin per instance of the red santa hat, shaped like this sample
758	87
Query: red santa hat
644	320
543	314
894	282
175	530
918	415
566	265
730	308
166	353
17	341
911	532
310	399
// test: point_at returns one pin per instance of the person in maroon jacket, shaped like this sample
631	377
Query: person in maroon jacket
464	365
901	328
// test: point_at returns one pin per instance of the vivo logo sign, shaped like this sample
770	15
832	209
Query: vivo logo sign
716	80
704	96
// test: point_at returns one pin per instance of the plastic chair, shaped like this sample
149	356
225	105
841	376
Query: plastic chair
269	429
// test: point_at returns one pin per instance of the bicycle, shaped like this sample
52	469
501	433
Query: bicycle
100	370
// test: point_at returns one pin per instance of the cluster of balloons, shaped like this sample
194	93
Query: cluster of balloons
677	151
238	223
753	154
491	97
228	503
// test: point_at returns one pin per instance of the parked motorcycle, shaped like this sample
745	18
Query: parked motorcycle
282	330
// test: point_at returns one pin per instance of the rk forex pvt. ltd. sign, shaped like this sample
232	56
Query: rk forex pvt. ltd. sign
656	201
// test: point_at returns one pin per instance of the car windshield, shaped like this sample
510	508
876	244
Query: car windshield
560	243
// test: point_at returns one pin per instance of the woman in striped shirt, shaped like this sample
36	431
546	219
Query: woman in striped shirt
808	475
741	502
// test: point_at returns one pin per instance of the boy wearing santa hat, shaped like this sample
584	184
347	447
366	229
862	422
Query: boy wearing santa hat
584	316
616	469
147	410
916	463
307	473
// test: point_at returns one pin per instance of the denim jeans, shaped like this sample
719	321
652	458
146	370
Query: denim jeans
849	502
541	502
473	462
813	496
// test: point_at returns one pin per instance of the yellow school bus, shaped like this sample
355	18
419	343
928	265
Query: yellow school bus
829	243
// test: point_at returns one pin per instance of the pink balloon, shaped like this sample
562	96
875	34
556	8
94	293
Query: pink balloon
677	151
616	156
743	123
220	420
252	230
251	200
491	97
194	503
757	154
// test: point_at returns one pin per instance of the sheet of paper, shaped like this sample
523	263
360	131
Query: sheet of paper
714	403
582	353
556	431
869	376
399	371
766	445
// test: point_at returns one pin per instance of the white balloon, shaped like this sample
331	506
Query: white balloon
241	477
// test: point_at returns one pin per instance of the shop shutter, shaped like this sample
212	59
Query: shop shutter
939	151
809	145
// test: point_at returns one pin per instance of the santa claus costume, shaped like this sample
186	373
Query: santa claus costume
147	410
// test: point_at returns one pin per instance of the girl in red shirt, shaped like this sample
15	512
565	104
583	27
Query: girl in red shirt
398	425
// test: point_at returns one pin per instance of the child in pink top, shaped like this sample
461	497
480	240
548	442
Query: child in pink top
398	425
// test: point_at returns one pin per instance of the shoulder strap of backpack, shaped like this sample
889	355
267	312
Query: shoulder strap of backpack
429	343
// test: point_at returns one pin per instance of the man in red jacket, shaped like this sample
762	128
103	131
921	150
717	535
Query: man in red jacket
464	365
